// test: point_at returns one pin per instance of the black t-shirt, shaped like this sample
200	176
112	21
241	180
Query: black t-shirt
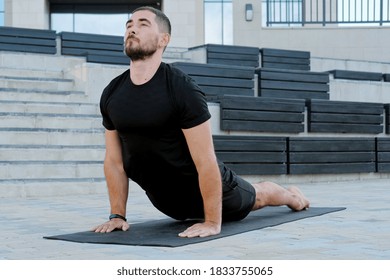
149	119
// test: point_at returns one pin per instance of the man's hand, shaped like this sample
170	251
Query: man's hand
201	230
112	225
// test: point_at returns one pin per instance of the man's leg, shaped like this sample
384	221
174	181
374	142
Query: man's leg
271	194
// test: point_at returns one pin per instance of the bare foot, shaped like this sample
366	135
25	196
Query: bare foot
302	202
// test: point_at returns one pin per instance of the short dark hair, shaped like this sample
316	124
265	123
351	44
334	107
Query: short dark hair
161	19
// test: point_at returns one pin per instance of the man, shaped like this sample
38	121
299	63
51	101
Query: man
158	134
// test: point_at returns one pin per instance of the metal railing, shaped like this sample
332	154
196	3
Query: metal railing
326	12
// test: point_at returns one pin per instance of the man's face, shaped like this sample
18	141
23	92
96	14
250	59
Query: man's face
142	35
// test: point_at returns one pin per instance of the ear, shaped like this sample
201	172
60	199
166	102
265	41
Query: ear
164	40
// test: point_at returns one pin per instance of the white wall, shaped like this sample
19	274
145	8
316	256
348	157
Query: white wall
187	20
370	44
363	43
27	13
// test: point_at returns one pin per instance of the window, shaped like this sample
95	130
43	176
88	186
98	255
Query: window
218	22
109	24
108	19
1	12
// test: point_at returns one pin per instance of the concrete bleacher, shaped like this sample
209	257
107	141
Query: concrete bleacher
227	55
345	117
52	142
387	118
285	83
51	137
217	80
262	114
285	59
47	144
253	155
28	40
383	155
356	75
331	155
96	48
301	106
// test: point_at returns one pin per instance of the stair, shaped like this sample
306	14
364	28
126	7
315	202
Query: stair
51	137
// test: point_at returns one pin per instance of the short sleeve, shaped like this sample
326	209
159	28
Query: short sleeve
105	99
190	101
107	123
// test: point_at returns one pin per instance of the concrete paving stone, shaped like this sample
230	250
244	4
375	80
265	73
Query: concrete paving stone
360	232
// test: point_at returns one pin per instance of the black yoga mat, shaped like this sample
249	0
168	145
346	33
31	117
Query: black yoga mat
164	232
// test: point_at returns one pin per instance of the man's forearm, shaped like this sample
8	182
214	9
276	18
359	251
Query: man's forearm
211	189
118	188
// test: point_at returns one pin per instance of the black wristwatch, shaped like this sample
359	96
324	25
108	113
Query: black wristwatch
113	216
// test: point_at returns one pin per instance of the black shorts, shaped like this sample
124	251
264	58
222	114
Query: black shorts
239	196
186	203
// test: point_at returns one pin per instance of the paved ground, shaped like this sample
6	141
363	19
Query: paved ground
360	232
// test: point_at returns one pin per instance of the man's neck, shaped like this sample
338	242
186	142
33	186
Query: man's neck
142	71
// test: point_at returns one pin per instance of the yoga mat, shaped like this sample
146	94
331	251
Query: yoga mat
164	232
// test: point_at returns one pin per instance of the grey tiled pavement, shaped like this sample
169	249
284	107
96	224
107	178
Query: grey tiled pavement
361	231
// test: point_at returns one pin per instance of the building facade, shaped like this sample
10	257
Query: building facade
287	24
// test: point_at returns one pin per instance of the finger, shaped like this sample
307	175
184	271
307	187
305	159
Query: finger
104	228
187	235
186	232
117	225
110	228
125	226
194	234
98	228
198	231
194	227
191	232
114	225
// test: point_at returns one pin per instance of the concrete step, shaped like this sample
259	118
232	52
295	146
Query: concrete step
42	95
51	136
31	83
52	121
52	187
21	170
31	73
65	137
31	61
12	106
86	153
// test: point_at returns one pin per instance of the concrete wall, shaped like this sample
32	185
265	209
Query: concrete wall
363	43
369	44
187	19
27	13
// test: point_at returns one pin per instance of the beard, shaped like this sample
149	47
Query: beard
138	52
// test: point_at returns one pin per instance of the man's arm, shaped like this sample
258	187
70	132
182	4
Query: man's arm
200	143
117	183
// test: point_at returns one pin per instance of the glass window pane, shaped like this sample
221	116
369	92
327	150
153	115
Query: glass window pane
218	22
61	22
1	12
109	24
228	23
213	23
